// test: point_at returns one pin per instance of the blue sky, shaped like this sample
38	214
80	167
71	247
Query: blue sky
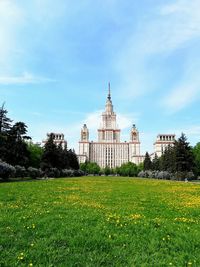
57	57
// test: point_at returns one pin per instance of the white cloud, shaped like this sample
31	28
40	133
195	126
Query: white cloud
181	97
25	78
174	26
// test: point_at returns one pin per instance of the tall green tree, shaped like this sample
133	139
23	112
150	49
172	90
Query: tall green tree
73	160
196	152
5	122
155	163
168	160
51	156
35	155
183	154
147	162
5	126
16	146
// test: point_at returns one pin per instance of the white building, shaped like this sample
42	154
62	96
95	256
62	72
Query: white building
162	142
109	150
58	139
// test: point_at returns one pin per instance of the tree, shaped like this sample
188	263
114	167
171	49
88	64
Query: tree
107	170
5	125
147	162
50	157
35	155
128	169
65	158
168	160
184	155
73	160
155	163
5	122
16	146
196	152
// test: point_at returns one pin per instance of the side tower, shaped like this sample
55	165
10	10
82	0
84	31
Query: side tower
134	146
162	142
84	145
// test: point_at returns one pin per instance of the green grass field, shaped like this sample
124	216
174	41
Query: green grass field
99	221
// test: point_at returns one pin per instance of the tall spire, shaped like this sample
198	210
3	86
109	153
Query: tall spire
109	94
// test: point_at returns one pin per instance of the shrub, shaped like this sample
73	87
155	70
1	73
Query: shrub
52	173
20	171
6	170
33	172
141	174
78	173
72	173
184	175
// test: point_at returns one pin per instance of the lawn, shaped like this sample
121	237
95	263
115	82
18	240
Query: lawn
100	221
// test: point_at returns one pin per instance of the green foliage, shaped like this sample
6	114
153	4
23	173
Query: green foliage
57	157
100	221
35	155
147	162
128	169
107	171
5	125
73	161
196	152
50	157
183	155
177	162
155	163
6	170
16	148
90	167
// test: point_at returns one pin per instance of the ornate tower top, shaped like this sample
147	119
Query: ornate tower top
109	94
109	105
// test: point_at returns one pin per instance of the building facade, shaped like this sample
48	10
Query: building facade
58	138
109	150
162	142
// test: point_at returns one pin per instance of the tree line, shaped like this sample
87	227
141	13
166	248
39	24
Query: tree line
179	161
127	169
19	157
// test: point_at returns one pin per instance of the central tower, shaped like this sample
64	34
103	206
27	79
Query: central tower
108	131
108	150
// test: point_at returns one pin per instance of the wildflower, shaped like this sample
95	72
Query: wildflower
21	256
31	264
32	245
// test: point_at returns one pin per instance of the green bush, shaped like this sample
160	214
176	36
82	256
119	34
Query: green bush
6	170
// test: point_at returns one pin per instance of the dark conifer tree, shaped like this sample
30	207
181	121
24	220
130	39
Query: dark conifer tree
5	125
156	163
147	162
196	152
65	158
73	161
16	146
184	155
50	157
